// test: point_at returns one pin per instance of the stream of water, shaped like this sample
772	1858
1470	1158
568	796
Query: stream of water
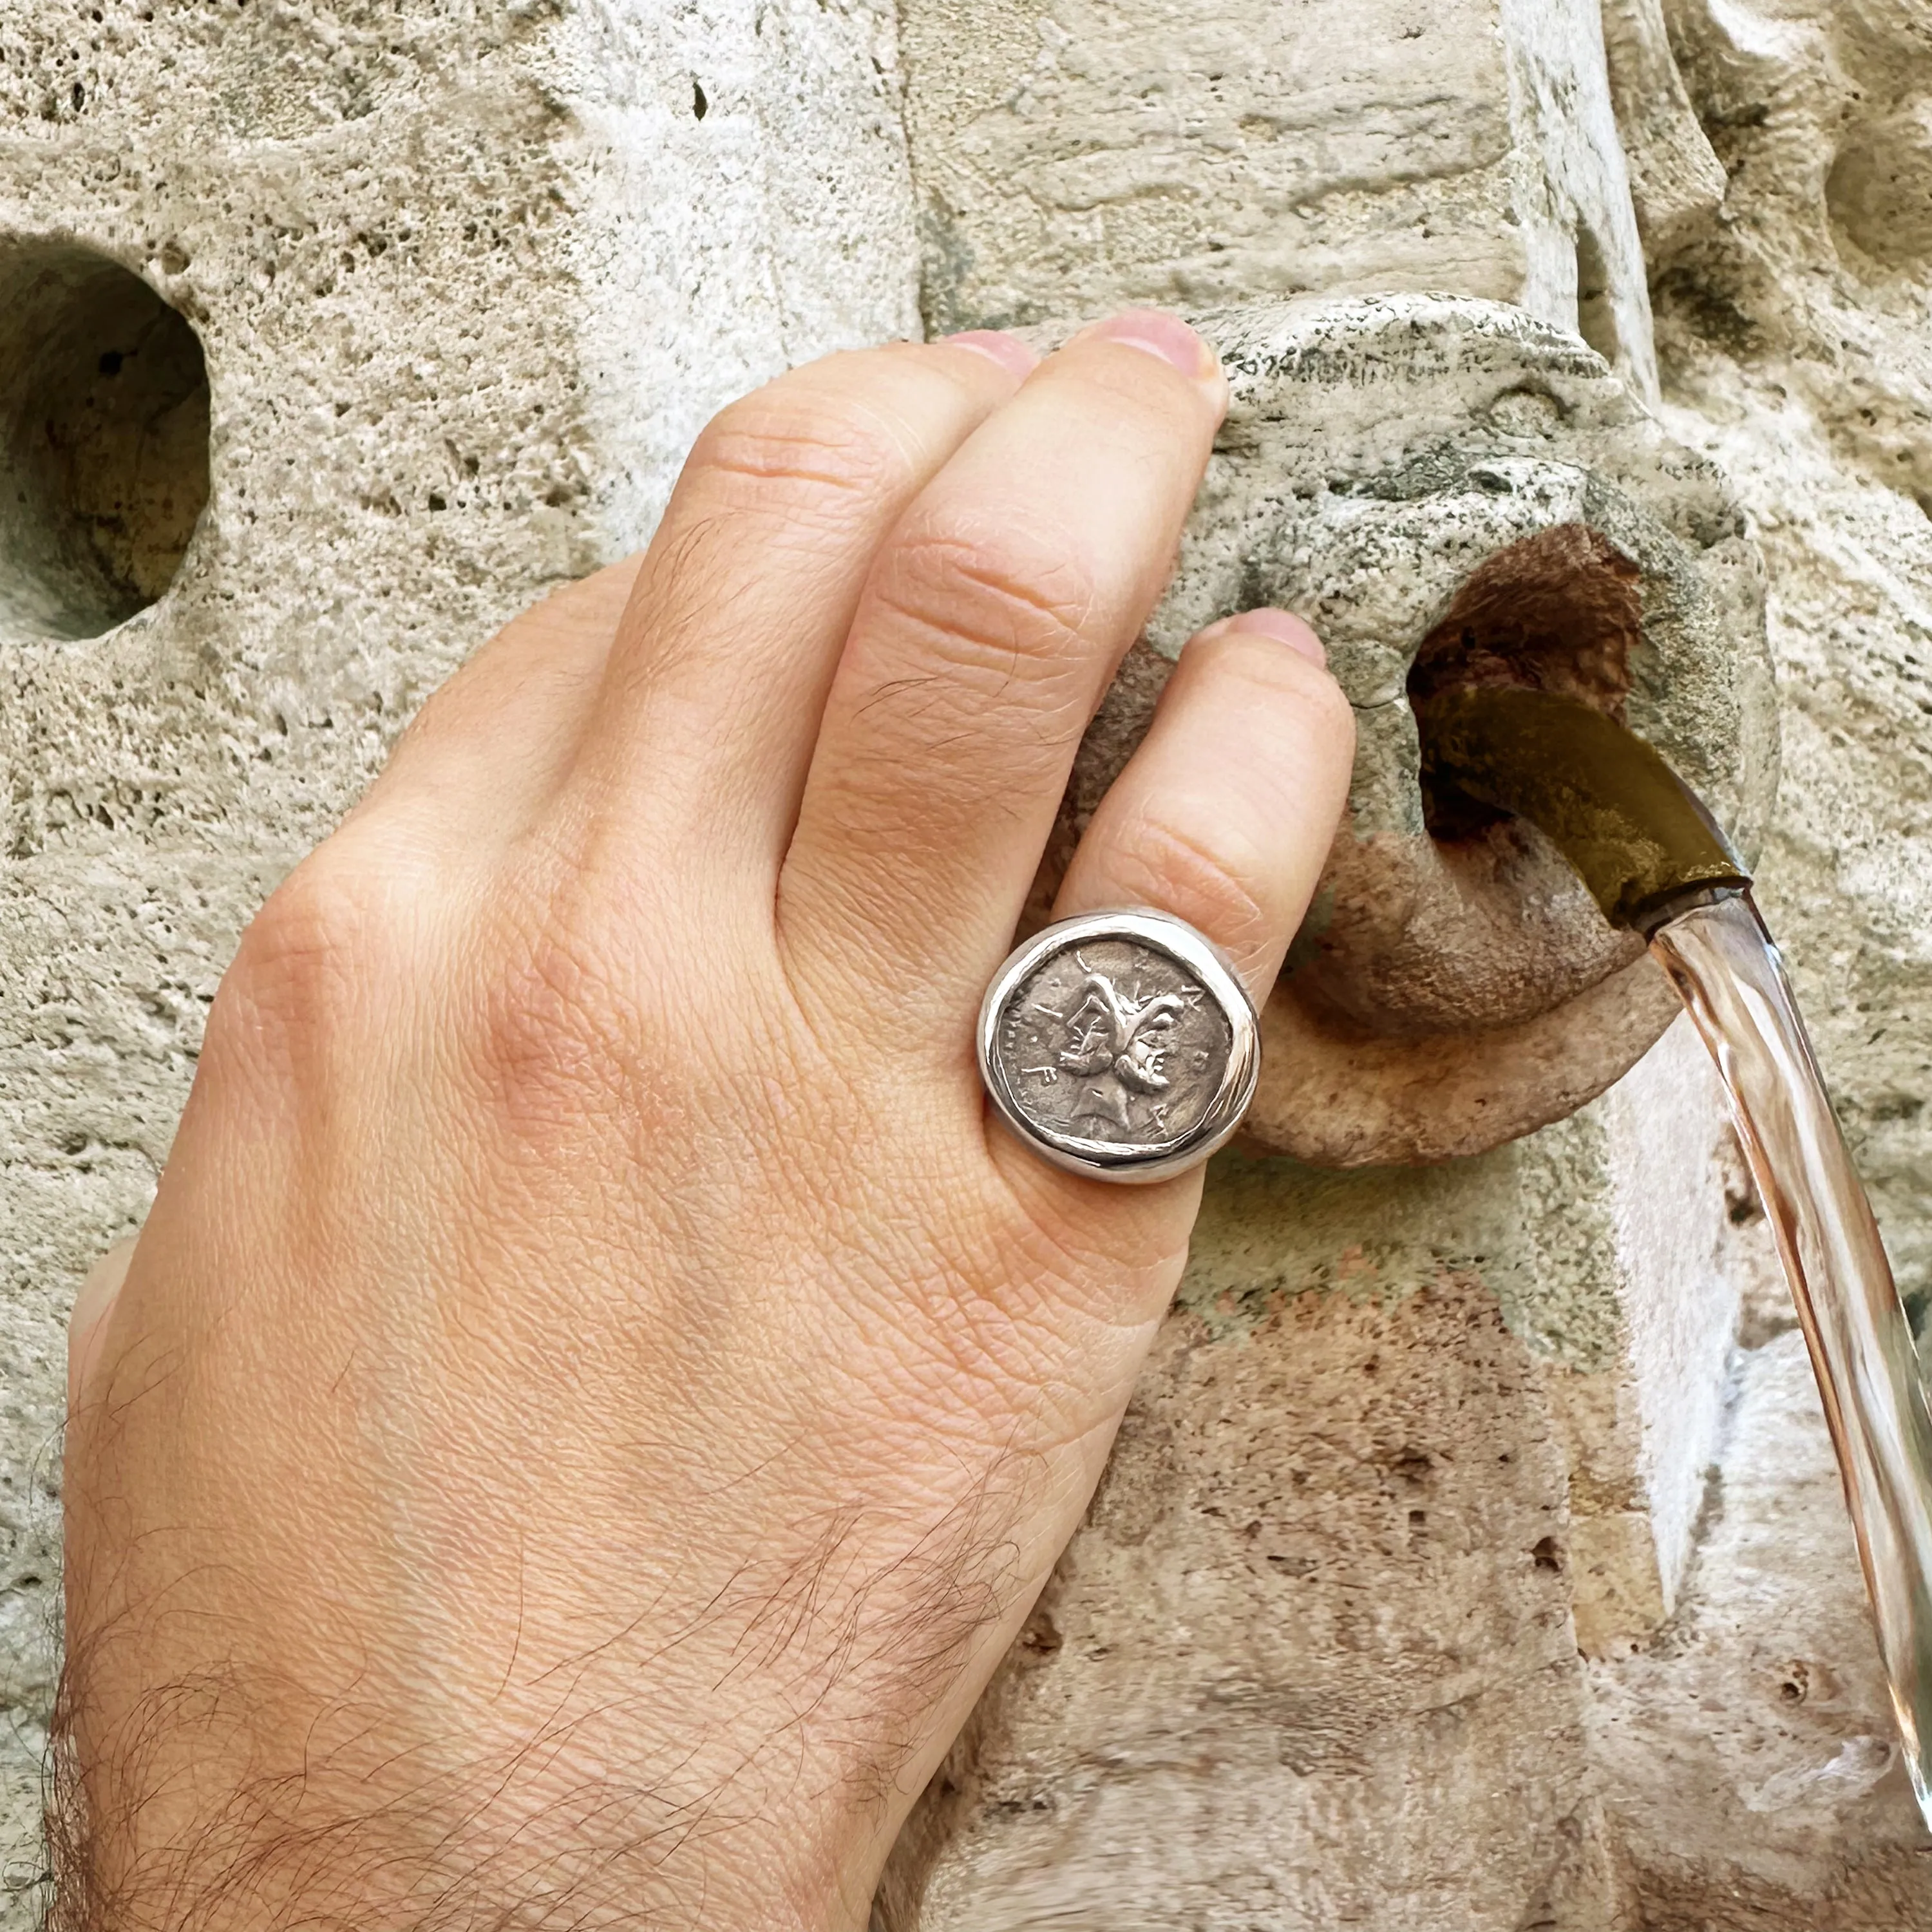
1723	963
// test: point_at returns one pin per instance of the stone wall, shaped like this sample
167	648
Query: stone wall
1472	1557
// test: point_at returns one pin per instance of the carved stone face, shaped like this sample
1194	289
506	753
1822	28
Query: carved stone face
1454	492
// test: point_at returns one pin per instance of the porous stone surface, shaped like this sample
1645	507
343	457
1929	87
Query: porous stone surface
1423	1460
1752	1776
1738	1773
468	280
1310	1660
1471	1558
1803	364
1747	1748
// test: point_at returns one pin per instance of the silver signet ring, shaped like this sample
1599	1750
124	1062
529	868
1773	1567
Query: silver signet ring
1120	1046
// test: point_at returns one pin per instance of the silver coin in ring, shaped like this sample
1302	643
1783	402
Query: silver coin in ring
1120	1046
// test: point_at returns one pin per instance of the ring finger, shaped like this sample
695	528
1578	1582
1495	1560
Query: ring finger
1222	818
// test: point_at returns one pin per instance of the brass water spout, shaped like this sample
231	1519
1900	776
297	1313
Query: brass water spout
1636	834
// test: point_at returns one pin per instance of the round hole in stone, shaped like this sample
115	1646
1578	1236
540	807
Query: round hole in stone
103	441
1558	611
1879	192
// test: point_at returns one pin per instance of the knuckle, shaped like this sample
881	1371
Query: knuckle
563	1026
554	993
542	1029
802	453
997	603
1159	865
311	959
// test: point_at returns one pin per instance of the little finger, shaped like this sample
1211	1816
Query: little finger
1224	815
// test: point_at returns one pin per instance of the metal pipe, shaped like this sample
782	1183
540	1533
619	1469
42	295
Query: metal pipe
1638	837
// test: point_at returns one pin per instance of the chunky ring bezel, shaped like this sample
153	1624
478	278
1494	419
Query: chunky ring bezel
1106	1160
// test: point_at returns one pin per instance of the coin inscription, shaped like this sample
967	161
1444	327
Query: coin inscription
1114	1041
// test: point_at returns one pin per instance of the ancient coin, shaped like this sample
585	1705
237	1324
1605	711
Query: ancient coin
1116	1048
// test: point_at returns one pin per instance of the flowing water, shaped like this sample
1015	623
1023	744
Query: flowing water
1722	960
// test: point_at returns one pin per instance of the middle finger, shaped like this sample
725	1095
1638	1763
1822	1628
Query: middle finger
704	724
994	615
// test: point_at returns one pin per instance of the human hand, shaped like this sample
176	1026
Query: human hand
595	1394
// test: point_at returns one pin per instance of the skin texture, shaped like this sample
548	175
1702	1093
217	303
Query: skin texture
596	1394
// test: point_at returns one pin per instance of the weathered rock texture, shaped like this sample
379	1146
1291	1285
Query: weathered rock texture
1317	1680
468	278
1472	1560
1454	492
1076	153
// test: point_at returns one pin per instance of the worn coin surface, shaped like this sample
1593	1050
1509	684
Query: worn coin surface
1120	1044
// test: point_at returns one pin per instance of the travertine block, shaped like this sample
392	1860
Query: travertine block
1677	182
1751	1774
1075	154
1310	1660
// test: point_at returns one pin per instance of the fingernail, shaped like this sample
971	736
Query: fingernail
1008	351
1161	335
1284	626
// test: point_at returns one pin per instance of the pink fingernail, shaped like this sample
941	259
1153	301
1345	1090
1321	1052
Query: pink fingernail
1008	351
1284	626
1161	335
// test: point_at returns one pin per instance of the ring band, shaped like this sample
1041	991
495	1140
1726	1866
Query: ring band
1120	1046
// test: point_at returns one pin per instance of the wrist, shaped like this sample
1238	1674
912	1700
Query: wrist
542	1834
